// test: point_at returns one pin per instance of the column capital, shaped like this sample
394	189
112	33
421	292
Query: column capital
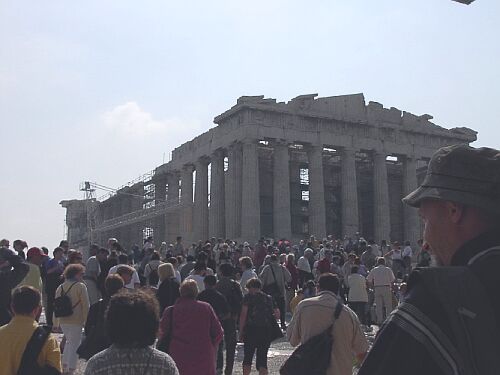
202	161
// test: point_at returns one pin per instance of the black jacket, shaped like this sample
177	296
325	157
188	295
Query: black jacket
9	278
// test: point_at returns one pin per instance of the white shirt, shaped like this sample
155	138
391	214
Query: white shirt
199	280
407	252
381	276
357	288
135	277
245	276
303	265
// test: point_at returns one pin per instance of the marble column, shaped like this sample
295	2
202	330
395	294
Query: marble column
186	206
233	191
317	214
350	217
200	212
217	195
282	220
250	193
381	204
411	220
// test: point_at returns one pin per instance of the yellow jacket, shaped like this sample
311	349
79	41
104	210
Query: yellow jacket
80	301
13	340
33	277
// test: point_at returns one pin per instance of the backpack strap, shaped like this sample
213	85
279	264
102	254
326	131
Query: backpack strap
32	351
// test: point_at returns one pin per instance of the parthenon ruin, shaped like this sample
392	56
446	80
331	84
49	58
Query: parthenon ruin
311	166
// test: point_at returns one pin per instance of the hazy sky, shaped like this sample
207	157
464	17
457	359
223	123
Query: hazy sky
102	90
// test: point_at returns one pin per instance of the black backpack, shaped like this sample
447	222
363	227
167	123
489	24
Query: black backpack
312	357
29	364
62	304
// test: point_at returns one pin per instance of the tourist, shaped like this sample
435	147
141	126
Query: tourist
175	263
35	258
259	253
304	266
134	282
178	247
382	279
231	290
358	294
255	326
19	246
275	277
407	255
396	256
72	325
294	281
214	298
151	270
194	330
96	338
424	256
368	258
14	337
168	289
314	315
74	257
12	271
55	268
247	272
198	275
92	271
131	352
459	202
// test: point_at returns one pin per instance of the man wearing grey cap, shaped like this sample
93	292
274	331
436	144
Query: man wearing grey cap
449	321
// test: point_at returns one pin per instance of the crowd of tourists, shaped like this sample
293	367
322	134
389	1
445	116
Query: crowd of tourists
181	309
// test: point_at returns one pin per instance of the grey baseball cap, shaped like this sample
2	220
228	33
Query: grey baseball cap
462	174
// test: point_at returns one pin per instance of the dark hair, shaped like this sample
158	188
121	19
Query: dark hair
210	280
126	269
57	250
102	250
173	261
226	270
330	282
135	306
274	258
199	267
113	284
190	258
155	255
72	270
63	243
354	269
254	283
123	259
25	299
381	261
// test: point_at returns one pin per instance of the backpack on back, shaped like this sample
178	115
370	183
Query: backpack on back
153	277
312	357
62	304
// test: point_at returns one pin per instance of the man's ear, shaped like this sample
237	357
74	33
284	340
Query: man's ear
456	211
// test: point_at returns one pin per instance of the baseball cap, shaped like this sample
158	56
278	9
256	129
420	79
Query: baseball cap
462	174
34	251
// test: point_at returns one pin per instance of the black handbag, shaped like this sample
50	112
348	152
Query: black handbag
62	304
313	357
164	343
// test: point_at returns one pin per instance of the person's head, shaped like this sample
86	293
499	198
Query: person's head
328	282
93	249
26	300
254	285
210	281
308	253
123	259
74	272
199	268
328	255
58	253
19	245
64	244
189	289
381	261
111	241
75	256
290	258
5	243
102	254
138	307
126	272
354	269
155	255
178	239
173	261
35	256
274	258
226	270
113	284
246	263
396	245
166	271
459	198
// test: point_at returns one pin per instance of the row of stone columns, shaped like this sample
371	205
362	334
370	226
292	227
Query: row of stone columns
235	199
